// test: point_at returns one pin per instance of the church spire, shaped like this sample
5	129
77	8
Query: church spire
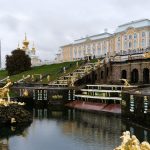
18	47
33	47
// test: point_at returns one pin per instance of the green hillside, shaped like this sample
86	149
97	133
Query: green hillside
54	70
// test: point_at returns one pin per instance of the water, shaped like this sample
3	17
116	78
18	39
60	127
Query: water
69	129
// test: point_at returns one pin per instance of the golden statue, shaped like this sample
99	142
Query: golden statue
4	91
147	55
132	143
126	82
25	93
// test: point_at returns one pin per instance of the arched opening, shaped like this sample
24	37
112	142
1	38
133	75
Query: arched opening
124	74
146	75
134	76
107	71
102	74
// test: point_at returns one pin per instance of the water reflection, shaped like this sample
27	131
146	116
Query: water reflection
72	129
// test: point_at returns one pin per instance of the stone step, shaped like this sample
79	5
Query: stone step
99	97
101	91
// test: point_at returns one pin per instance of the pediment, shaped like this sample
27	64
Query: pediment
130	30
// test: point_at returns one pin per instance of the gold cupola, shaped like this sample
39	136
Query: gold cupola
25	42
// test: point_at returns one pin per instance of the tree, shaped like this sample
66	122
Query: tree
17	62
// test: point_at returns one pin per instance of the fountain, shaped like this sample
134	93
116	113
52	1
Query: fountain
132	143
12	112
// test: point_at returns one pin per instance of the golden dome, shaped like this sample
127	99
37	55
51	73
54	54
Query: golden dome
25	42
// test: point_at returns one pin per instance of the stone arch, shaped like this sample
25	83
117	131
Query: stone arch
107	71
134	76
146	75
123	74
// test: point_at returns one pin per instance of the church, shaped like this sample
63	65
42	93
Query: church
35	61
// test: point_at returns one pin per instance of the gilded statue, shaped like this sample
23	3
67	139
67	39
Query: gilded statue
126	82
4	91
132	143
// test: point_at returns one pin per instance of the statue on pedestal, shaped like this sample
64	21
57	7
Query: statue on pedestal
4	91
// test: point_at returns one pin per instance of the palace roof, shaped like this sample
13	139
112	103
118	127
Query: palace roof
134	24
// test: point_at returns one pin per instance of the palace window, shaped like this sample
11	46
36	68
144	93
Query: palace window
89	50
125	37
125	45
130	45
118	45
84	52
135	35
105	50
143	42
130	37
75	52
71	53
118	38
80	53
143	34
94	51
99	51
135	44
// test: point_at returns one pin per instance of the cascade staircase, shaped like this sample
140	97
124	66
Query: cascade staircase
101	93
69	79
105	98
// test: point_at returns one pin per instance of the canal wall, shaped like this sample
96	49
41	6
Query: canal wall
135	106
45	95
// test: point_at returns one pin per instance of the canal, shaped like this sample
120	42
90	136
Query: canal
69	129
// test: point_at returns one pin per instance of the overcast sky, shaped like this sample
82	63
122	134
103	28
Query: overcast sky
53	23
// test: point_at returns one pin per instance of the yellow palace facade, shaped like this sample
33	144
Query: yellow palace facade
127	38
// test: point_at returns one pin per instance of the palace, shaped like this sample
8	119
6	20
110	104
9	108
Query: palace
128	38
35	61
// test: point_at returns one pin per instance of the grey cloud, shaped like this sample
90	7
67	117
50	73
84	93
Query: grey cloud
53	23
9	22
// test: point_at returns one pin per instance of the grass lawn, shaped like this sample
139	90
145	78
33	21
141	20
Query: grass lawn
54	70
3	74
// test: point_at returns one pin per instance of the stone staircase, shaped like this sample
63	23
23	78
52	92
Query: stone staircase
69	79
